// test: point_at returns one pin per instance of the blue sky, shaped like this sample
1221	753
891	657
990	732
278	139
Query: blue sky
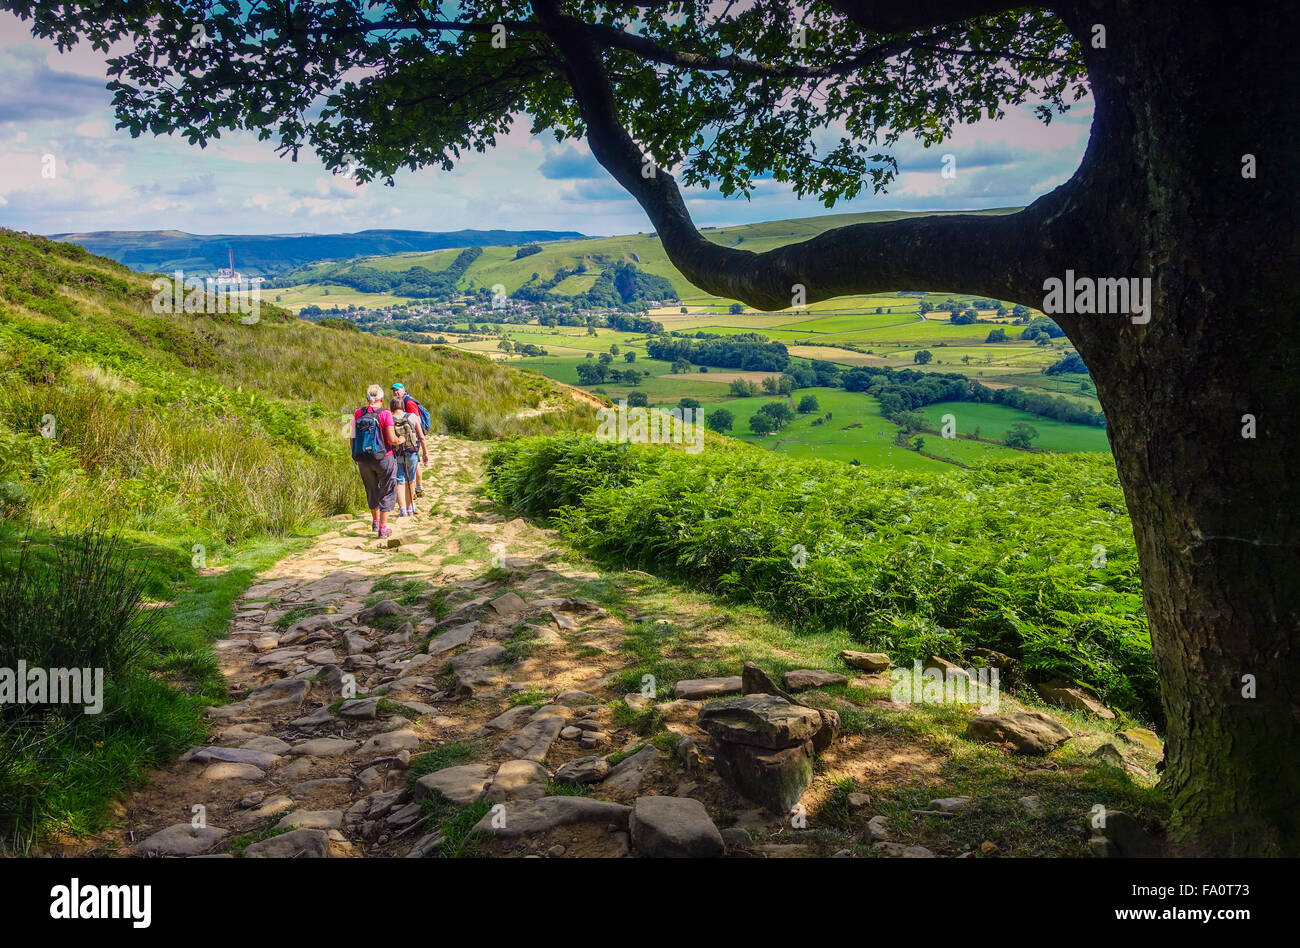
54	104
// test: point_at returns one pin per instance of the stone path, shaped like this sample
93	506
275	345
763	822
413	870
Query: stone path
459	661
345	680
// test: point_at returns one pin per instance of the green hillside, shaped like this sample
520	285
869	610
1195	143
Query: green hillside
208	448
498	264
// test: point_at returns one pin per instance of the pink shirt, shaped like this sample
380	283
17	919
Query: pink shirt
385	422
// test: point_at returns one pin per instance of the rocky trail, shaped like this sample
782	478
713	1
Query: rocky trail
455	689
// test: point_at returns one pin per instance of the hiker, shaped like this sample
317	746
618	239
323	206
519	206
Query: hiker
373	440
409	404
407	425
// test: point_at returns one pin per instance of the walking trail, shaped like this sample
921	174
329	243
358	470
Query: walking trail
455	689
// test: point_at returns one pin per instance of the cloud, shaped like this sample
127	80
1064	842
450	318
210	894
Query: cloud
570	163
199	184
32	91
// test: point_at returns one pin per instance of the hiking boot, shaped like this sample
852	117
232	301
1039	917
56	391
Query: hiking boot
385	533
419	492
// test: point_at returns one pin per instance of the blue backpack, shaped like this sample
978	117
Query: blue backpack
425	420
367	438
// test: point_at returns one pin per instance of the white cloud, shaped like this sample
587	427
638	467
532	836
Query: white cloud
106	180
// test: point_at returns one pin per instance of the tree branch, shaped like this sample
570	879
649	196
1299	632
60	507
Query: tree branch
889	16
648	49
1005	256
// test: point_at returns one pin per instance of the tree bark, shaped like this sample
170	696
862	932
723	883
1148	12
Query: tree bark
1182	93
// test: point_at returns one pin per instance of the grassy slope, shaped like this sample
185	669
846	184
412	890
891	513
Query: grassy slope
906	562
181	431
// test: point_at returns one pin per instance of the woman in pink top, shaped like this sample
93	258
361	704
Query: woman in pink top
378	474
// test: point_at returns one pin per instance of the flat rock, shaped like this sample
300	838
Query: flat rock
477	658
574	699
951	804
272	745
460	785
760	720
508	605
946	667
279	656
1032	804
696	688
1031	733
507	720
272	807
391	742
626	776
303	627
182	839
320	785
317	718
278	694
673	827
1067	695
867	661
531	817
383	609
323	747
234	755
359	709
295	844
452	638
801	679
533	741
312	819
231	771
1142	737
583	770
518	780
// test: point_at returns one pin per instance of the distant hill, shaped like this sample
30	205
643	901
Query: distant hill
577	263
162	251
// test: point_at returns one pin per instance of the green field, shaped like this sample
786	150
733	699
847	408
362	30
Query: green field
883	329
856	431
993	421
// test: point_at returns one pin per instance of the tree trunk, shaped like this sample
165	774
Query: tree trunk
1182	95
1183	92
